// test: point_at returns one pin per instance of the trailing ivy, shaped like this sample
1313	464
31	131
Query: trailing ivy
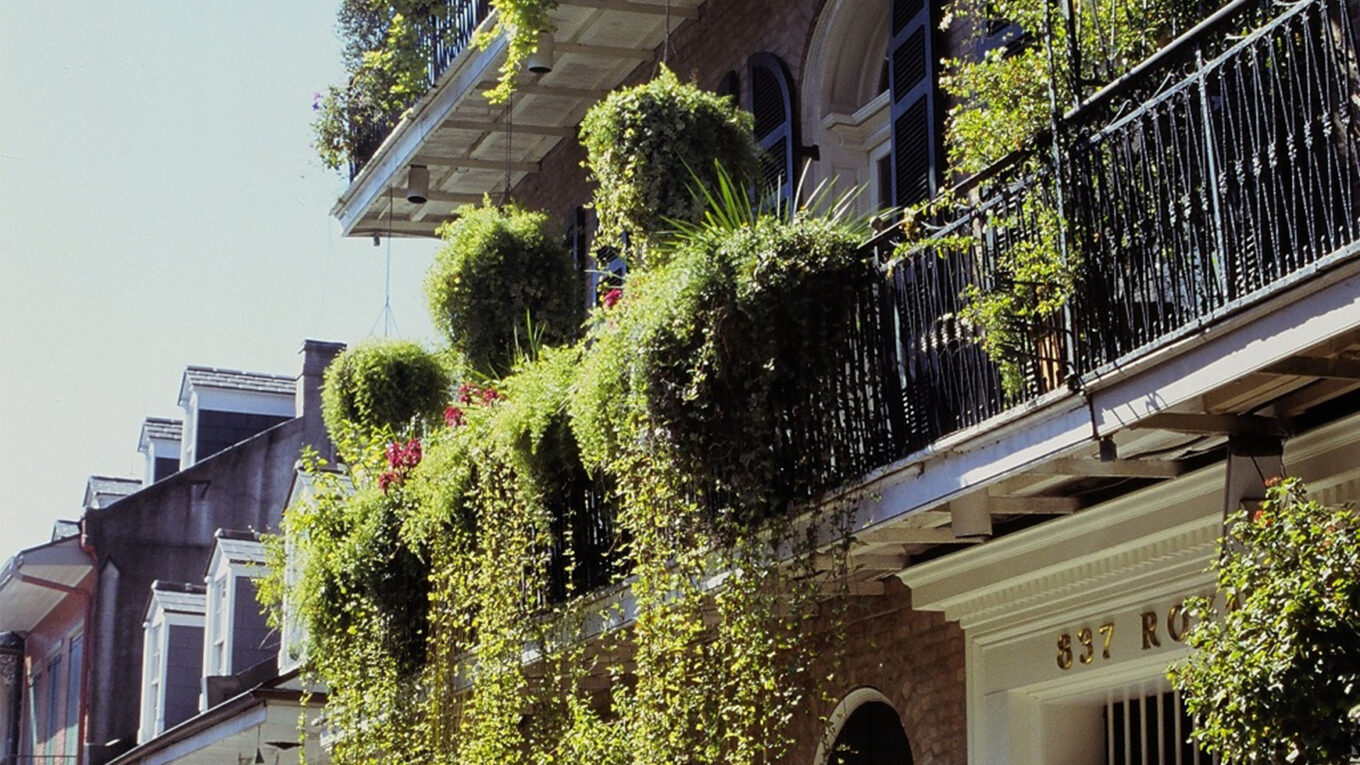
445	592
386	53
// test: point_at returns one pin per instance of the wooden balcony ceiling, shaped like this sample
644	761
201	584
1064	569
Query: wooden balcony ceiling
468	144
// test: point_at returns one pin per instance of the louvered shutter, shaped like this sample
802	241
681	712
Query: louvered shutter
775	126
916	158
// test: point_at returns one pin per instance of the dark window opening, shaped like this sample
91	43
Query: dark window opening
872	735
219	430
164	467
1153	729
775	126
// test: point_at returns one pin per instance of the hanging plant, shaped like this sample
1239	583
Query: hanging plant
671	406
520	22
382	386
650	146
502	282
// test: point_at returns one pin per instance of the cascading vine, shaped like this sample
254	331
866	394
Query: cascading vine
431	555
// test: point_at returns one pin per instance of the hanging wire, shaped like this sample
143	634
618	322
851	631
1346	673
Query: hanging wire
509	144
387	316
666	49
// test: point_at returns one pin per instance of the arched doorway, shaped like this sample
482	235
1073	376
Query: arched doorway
865	730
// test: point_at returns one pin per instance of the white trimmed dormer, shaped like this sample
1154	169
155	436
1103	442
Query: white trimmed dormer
172	657
223	407
293	633
236	637
160	443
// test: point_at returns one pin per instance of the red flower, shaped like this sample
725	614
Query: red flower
387	479
465	392
394	454
612	297
453	417
489	395
1273	482
410	456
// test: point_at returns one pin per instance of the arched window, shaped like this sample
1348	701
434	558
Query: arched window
867	731
775	127
846	101
916	156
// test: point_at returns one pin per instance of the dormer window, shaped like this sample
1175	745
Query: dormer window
172	657
160	442
238	638
223	407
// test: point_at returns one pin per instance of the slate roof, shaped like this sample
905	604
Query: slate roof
104	490
177	597
240	546
233	379
162	428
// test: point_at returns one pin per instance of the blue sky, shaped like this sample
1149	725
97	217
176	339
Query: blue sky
160	206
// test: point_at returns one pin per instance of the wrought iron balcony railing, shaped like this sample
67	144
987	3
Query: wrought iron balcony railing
1227	185
1210	193
441	36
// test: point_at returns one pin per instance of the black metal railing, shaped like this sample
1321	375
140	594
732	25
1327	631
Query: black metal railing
948	381
1200	197
1237	176
441	36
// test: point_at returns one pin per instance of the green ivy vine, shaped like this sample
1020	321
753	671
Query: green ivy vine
445	592
386	54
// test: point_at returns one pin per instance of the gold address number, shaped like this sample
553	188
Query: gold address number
1085	649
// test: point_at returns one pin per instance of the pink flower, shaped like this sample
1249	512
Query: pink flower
453	417
612	297
387	479
394	454
489	395
465	392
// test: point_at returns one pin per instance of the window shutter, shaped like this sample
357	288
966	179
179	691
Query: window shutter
917	159
775	126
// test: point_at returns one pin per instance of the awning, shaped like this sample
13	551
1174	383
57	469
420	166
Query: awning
36	580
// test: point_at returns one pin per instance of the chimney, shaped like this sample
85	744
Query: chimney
316	356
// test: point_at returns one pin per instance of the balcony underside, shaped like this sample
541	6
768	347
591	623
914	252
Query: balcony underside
1289	365
471	147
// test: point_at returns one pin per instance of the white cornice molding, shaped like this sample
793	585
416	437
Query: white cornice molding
1160	537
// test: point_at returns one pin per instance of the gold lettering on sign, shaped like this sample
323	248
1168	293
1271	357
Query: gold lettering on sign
1086	637
1064	651
1088	655
1177	622
1150	630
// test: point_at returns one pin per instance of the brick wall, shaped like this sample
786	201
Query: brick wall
915	659
703	50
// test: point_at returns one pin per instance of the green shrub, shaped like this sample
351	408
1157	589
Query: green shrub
382	385
501	277
651	145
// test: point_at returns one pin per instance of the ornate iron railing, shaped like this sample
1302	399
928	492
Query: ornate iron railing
1236	177
441	36
1207	194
